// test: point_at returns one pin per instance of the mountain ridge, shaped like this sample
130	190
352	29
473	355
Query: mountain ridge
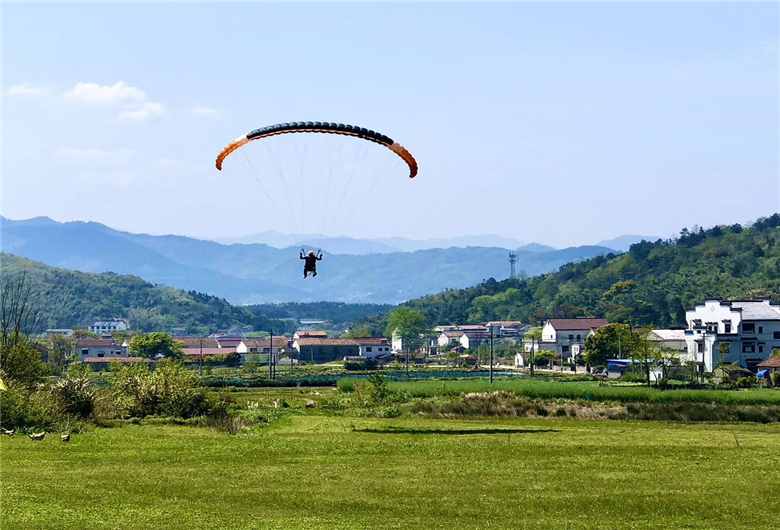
257	273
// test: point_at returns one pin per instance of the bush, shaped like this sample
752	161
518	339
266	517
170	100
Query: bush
633	377
23	408
76	396
378	389
746	382
171	390
347	386
776	379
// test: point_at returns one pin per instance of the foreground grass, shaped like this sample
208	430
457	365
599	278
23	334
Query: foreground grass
587	391
345	473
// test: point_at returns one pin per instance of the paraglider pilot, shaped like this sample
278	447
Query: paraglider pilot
311	263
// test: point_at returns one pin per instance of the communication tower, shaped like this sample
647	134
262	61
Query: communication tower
512	261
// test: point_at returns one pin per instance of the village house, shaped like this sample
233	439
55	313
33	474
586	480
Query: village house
508	331
471	340
308	334
194	354
197	343
229	341
672	339
740	331
449	337
324	350
249	347
771	365
372	346
107	327
566	336
61	331
100	348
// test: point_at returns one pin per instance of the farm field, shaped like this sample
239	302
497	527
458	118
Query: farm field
584	390
318	472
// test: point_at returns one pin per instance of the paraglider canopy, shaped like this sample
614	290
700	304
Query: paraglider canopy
320	127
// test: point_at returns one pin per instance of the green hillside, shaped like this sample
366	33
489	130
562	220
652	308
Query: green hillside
653	283
74	299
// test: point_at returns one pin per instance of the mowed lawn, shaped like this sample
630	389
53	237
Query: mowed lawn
320	472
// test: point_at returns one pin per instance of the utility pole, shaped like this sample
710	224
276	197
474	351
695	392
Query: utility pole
407	357
533	355
271	355
200	361
491	354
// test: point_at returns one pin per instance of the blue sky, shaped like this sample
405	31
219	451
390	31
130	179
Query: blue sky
559	123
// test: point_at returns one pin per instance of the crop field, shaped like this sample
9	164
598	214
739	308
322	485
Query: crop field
320	472
580	390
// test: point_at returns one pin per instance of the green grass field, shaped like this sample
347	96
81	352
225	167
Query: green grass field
584	390
319	472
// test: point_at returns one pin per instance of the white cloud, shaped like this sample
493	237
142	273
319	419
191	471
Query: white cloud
147	111
94	94
204	111
94	155
25	90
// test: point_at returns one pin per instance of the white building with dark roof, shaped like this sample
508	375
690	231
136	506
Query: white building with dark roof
107	327
566	336
740	331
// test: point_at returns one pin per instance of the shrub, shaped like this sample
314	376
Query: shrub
378	389
23	408
776	379
633	377
346	386
171	390
76	395
746	382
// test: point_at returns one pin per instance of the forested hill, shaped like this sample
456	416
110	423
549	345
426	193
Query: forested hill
653	283
75	299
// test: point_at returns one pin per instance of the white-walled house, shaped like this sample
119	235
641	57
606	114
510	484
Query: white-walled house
106	327
449	337
472	339
673	339
248	347
100	348
739	331
566	336
372	346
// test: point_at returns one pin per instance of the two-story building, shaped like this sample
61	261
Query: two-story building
248	347
670	339
372	346
107	327
324	350
566	336
99	348
739	331
508	331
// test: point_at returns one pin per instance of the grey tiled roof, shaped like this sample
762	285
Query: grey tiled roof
757	310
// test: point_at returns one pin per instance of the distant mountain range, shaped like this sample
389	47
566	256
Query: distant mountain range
260	273
388	245
383	245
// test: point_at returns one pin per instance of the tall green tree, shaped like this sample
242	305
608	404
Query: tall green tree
411	326
154	344
612	341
